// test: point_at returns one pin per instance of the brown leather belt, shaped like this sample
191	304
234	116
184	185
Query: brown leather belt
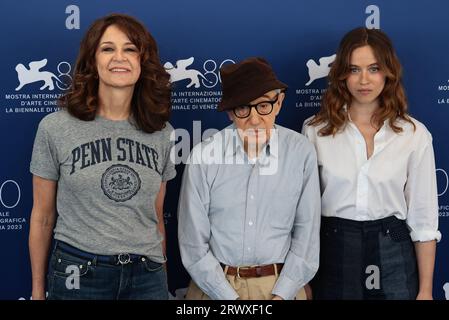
254	272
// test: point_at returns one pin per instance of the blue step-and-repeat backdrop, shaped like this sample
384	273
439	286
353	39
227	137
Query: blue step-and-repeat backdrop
195	38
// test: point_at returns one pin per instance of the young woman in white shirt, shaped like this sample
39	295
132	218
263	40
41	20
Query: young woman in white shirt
377	172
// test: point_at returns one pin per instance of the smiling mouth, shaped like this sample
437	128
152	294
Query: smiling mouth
118	70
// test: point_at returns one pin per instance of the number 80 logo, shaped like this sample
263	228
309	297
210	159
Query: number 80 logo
8	205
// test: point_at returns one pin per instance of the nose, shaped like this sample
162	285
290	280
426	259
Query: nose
254	117
364	77
118	55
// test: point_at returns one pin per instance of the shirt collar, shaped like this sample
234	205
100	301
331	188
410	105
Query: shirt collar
345	108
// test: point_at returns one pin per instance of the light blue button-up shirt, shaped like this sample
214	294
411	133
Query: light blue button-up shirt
242	213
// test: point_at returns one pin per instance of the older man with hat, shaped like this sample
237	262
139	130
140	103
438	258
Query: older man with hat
249	207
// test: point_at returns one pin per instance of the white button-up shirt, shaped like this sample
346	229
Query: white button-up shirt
398	179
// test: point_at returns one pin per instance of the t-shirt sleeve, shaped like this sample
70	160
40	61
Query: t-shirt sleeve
169	171
44	160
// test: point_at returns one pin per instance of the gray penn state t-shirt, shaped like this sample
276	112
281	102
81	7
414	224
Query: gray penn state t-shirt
109	174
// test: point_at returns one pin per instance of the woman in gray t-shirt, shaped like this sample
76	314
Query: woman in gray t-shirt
102	164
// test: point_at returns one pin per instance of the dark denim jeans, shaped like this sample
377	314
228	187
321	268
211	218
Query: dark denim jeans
140	280
352	250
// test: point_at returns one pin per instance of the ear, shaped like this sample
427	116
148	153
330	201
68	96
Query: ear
230	115
279	103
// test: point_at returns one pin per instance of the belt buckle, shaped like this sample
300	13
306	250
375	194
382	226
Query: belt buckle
124	258
241	268
238	272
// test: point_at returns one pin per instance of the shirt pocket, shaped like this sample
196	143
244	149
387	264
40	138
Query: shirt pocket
65	265
283	211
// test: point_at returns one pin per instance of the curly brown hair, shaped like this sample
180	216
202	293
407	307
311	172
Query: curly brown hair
392	100
150	105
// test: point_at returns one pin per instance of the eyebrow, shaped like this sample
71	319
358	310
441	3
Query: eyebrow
110	42
371	65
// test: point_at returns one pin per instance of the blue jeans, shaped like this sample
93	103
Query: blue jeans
72	277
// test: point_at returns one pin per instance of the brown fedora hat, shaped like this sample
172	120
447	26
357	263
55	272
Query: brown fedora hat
246	81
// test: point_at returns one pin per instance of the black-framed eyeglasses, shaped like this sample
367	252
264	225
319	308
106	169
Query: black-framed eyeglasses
263	108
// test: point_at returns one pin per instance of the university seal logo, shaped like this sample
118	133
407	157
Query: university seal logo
120	183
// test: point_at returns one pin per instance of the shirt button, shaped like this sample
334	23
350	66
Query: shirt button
250	223
249	248
251	197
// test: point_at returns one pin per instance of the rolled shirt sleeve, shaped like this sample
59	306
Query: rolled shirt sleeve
421	194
